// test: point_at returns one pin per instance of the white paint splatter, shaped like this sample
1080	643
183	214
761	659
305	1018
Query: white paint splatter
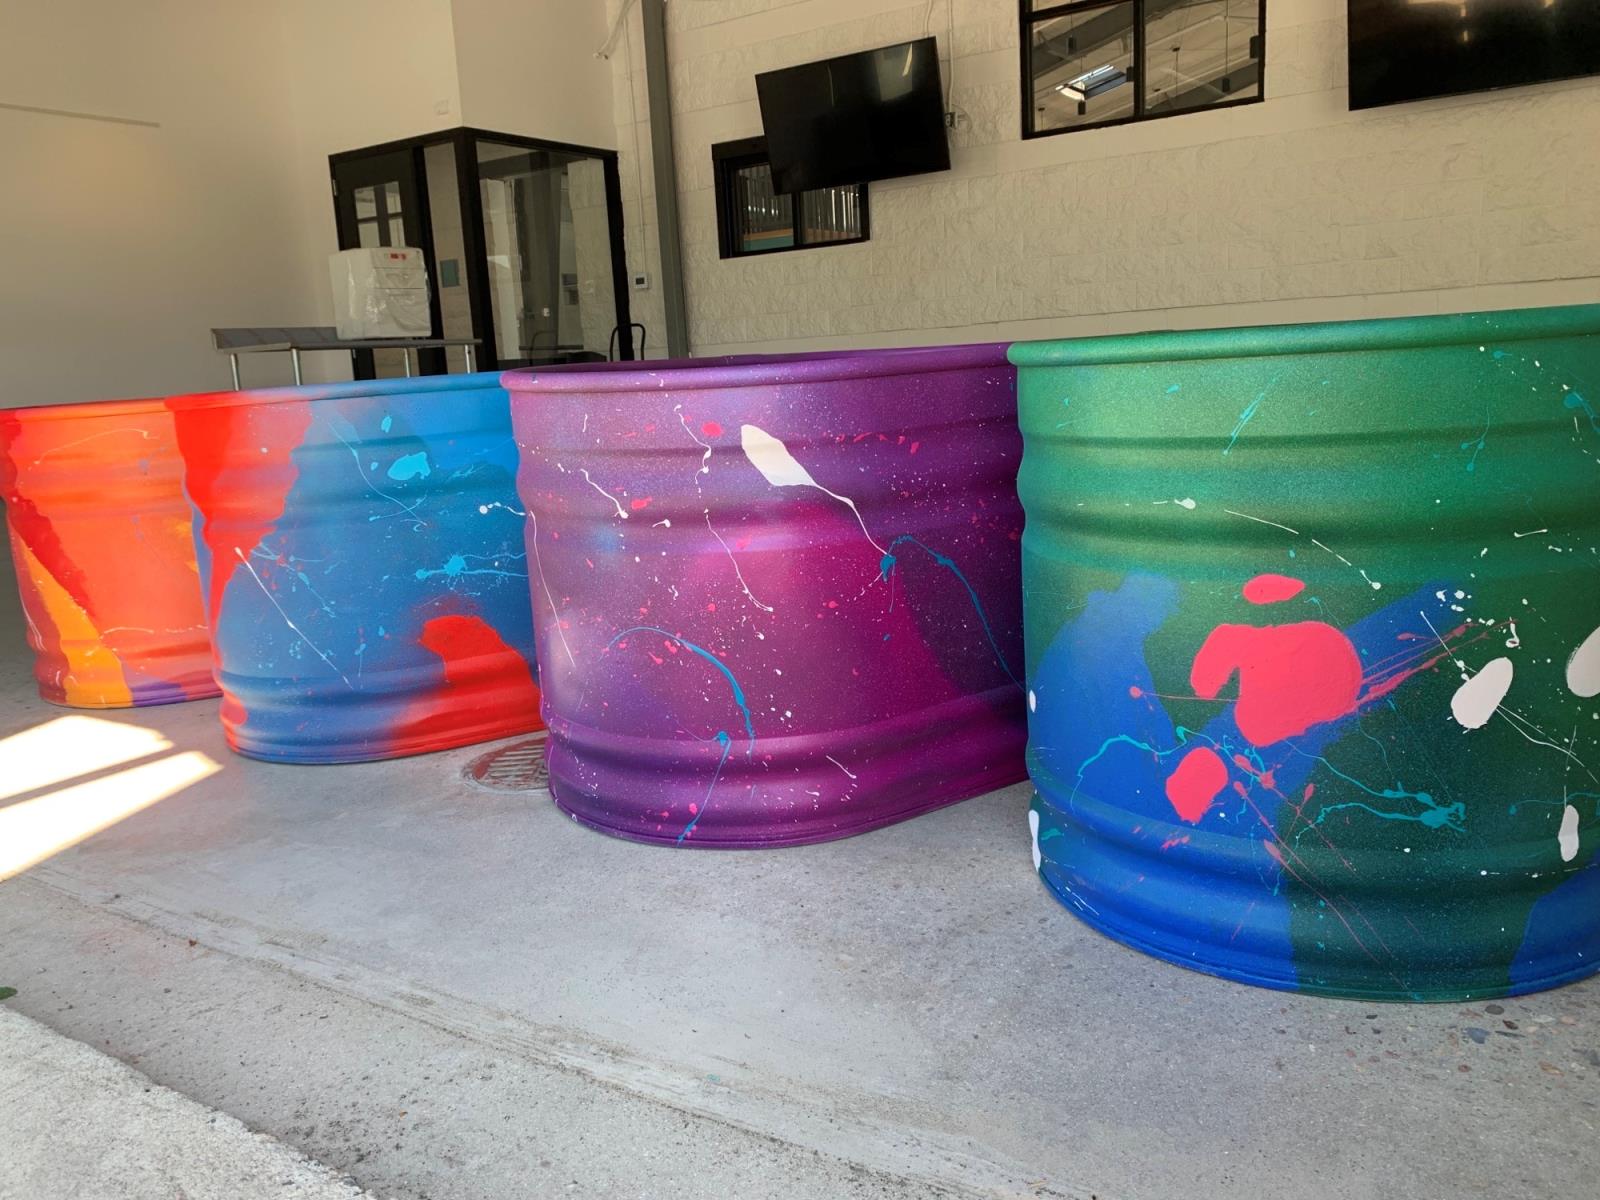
1033	700
1477	699
738	574
1261	521
1567	839
1033	830
781	469
300	633
1583	668
835	761
621	512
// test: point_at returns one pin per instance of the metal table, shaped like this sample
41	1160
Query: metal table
294	340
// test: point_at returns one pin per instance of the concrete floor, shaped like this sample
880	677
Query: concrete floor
451	993
91	1126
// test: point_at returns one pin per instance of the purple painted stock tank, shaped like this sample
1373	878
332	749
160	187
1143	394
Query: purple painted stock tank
777	600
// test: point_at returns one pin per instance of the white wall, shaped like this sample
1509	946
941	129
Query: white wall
122	244
361	72
529	67
1290	210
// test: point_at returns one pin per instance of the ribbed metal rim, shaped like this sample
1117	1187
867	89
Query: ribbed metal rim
751	370
1390	333
254	396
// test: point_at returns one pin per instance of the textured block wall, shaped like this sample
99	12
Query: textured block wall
1290	210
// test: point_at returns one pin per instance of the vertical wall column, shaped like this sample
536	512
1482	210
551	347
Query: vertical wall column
658	84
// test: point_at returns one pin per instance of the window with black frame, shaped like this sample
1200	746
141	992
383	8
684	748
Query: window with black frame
1104	62
754	218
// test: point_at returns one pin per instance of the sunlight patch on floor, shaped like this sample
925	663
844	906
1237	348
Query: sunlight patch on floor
34	829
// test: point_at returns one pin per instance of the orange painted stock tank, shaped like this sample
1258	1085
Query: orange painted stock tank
100	537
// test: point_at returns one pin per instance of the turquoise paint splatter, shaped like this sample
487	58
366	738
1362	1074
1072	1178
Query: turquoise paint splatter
887	563
726	743
410	466
456	566
1244	419
1575	400
738	692
386	424
1432	816
1477	444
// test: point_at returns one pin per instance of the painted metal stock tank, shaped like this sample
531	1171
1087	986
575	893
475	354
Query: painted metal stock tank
778	599
361	550
100	541
1312	647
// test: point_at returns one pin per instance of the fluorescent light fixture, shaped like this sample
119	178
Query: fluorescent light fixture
1092	83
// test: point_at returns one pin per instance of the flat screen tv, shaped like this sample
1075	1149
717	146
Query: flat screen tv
1410	49
874	115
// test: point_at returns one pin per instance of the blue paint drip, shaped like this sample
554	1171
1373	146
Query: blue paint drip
1244	419
1575	400
738	692
726	743
456	566
887	564
410	466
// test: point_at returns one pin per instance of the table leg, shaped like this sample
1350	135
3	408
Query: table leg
233	361
294	357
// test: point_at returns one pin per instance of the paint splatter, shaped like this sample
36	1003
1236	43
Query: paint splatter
410	466
1476	700
1033	833
1194	786
1272	589
1291	677
1567	839
1583	668
781	469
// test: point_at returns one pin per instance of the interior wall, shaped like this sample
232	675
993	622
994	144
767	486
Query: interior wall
1294	209
528	67
360	73
148	202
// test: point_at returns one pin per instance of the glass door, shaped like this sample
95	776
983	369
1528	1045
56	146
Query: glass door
378	201
547	243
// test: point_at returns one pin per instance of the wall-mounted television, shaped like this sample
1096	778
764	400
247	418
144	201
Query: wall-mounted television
1411	49
874	115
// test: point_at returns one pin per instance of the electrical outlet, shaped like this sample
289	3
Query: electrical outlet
641	281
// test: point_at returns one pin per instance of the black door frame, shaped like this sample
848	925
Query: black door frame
404	167
477	266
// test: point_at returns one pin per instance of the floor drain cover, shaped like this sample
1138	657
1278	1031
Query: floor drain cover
518	767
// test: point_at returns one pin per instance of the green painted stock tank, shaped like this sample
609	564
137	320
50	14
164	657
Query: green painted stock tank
1313	662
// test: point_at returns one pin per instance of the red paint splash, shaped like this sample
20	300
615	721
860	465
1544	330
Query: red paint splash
641	503
1196	782
1291	677
1272	589
238	469
711	429
486	683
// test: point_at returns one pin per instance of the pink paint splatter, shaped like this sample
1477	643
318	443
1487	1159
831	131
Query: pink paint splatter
1291	677
642	502
1271	589
711	429
1196	782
